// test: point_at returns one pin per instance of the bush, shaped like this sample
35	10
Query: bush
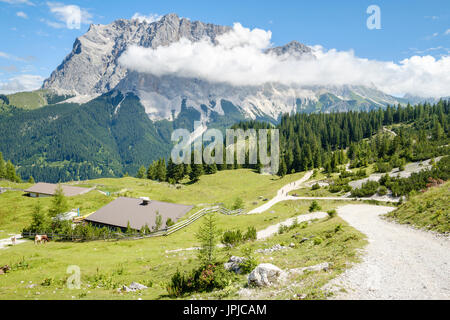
251	234
332	213
169	223
250	262
382	191
383	167
361	173
314	207
232	238
368	189
203	279
317	240
47	282
315	187
335	188
238	204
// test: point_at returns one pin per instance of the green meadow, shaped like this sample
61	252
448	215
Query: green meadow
40	272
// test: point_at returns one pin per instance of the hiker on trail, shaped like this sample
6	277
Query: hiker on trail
13	240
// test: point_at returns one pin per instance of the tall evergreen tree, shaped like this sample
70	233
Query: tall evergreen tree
59	203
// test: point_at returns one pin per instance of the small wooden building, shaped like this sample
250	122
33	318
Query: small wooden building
137	213
40	190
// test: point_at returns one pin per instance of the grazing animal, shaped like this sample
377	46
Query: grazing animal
5	269
40	239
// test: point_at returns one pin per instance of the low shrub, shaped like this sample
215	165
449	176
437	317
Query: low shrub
251	234
368	189
203	279
250	262
332	213
382	191
233	238
315	187
314	207
47	282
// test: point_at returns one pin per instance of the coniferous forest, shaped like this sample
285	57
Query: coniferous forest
100	139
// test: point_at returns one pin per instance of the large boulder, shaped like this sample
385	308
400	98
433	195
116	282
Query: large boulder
265	275
234	264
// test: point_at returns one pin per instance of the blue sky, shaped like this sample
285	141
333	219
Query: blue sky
34	40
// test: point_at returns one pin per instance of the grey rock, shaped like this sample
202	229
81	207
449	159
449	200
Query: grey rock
134	286
266	275
277	247
319	267
137	286
234	264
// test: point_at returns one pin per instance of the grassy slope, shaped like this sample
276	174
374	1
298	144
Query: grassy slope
146	260
223	187
429	210
28	100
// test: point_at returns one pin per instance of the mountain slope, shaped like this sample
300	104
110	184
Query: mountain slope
106	137
93	68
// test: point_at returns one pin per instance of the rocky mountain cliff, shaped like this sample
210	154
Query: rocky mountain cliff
92	69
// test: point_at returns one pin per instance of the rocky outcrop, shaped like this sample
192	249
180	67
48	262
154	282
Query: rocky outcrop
265	275
93	68
235	264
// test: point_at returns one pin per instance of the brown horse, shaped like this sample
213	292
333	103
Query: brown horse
41	239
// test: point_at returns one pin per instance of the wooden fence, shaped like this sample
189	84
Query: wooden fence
123	236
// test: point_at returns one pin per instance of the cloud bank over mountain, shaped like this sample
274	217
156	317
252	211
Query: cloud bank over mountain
240	57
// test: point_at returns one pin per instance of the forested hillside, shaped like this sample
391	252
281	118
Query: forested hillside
103	138
314	141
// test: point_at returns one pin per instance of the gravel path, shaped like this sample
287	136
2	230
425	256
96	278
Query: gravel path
410	168
400	262
4	243
283	194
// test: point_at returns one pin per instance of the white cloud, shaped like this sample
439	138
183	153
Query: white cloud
27	2
239	59
152	17
71	16
22	14
447	32
12	57
26	82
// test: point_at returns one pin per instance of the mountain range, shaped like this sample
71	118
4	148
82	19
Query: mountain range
94	118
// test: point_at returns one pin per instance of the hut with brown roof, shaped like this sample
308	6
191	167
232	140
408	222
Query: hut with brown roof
137	213
41	189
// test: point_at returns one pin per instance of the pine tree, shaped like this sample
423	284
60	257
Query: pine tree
31	180
283	169
2	167
152	171
141	173
11	172
59	203
208	235
161	170
196	173
158	222
178	172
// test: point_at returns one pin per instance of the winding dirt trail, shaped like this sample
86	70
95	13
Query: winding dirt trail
283	194
399	263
